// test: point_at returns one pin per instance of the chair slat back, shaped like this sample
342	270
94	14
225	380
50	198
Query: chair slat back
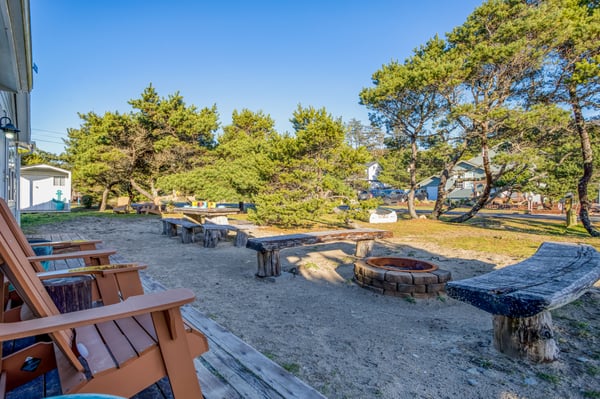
14	227
15	265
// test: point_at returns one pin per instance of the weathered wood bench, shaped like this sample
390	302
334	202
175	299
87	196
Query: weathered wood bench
268	247
520	296
212	232
188	229
215	232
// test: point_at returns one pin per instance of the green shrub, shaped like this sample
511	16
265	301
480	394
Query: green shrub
87	201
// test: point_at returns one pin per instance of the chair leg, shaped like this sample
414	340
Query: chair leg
173	345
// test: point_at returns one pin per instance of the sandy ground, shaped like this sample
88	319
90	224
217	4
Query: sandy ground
349	342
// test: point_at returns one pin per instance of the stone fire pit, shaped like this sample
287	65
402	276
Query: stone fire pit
403	277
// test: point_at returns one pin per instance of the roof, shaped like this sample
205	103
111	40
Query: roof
461	193
16	66
43	168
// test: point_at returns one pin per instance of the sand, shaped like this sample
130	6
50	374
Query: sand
349	342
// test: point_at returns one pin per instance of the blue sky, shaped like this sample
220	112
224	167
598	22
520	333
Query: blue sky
260	55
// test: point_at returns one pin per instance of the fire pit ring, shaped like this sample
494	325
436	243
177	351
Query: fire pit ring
402	264
402	277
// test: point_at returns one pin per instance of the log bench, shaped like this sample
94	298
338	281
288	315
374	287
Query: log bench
520	296
188	229
268	247
212	232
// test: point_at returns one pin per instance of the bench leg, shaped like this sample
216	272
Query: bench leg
172	230
268	264
241	238
364	248
530	338
211	238
187	234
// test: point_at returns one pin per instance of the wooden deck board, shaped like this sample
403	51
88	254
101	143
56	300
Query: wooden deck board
231	369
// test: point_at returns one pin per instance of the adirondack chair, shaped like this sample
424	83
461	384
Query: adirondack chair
85	250
123	205
111	282
126	346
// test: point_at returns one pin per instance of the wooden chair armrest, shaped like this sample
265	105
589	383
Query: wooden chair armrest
103	270
133	306
73	255
65	244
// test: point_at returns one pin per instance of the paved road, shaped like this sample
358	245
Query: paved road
593	218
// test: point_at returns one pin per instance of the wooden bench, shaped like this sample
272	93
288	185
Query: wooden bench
520	296
188	229
268	247
212	232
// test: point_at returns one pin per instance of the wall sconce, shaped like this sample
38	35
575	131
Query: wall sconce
9	129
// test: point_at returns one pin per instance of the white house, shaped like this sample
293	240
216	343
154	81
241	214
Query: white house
44	188
373	171
16	81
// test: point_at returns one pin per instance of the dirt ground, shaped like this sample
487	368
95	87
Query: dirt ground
349	342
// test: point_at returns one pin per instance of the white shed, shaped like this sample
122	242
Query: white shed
44	188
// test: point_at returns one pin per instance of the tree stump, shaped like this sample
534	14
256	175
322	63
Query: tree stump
70	293
268	264
364	248
530	338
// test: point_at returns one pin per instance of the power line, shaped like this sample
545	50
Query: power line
48	141
49	131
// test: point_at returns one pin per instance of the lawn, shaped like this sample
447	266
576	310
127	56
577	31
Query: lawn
514	236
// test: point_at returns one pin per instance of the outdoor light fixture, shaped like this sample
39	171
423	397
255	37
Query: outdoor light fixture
9	129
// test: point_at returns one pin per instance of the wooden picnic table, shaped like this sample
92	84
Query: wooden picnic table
200	214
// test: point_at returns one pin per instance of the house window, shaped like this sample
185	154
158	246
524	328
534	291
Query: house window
60	181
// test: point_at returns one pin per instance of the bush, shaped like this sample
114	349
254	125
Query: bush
87	201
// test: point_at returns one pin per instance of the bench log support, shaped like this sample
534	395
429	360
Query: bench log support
530	338
364	248
268	263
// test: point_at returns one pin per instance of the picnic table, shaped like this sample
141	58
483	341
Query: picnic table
200	214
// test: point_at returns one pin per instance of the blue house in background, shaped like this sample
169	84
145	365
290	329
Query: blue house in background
466	181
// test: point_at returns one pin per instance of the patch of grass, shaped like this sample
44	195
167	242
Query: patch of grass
548	377
30	221
291	367
410	299
591	394
269	355
311	266
593	370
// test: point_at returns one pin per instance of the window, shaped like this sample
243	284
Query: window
60	181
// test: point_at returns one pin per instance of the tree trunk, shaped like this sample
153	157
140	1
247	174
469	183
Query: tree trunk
441	193
104	199
489	180
588	163
140	190
441	190
413	178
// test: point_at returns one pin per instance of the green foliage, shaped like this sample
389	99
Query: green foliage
37	157
87	201
310	172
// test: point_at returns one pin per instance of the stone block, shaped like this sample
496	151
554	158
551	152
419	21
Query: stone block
424	278
399	277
